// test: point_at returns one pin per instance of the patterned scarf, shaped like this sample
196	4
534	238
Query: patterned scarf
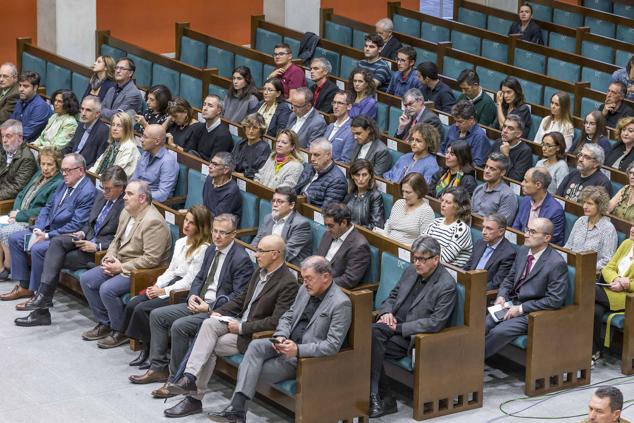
280	161
109	156
447	180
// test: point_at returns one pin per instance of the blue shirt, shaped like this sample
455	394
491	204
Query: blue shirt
34	115
475	137
398	87
159	171
426	166
366	107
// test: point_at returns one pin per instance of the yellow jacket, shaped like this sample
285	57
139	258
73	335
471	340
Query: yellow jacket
611	272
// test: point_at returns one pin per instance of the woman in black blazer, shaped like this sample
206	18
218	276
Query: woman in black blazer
527	27
273	108
363	199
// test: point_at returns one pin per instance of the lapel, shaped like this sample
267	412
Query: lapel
403	291
68	198
346	243
287	225
96	210
91	135
138	222
372	150
521	264
428	286
537	266
225	266
302	301
272	282
321	306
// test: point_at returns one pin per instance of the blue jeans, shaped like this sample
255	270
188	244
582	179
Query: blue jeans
103	293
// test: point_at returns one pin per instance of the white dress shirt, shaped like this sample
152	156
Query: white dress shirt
336	244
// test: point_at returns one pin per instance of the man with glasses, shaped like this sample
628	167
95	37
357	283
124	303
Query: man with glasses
17	163
91	137
124	96
268	295
291	75
9	93
157	166
614	108
588	173
537	281
65	213
421	302
77	250
537	202
220	192
287	223
406	77
511	145
415	112
305	120
225	272
323	88
339	133
494	195
465	128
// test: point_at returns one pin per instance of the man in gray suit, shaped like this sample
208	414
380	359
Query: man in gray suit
287	223
538	280
415	112
421	302
315	326
125	96
305	120
368	145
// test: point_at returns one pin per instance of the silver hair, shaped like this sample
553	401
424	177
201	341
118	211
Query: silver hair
498	218
596	151
228	217
318	264
386	23
323	144
426	244
16	125
143	188
414	94
221	103
542	176
78	159
325	63
96	101
227	159
14	69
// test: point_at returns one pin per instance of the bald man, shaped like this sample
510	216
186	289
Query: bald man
157	166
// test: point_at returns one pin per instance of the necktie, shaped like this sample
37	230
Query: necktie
102	216
485	258
212	272
67	194
527	271
409	129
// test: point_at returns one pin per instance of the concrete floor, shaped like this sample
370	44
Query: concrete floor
50	375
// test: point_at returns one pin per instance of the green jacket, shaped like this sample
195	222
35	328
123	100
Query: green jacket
486	111
42	196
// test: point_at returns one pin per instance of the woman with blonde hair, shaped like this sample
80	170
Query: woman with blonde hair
284	166
251	153
559	119
122	150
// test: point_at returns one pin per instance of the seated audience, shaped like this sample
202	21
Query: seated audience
347	250
526	26
77	250
421	302
391	45
469	83
220	192
614	109
66	212
286	222
622	204
452	230
458	171
537	281
412	214
284	166
268	295
559	119
626	76
339	132
594	231
9	92
406	77
102	78
510	100
224	273
588	173
242	96
511	145
593	131
291	75
121	150
414	112
17	163
364	199
538	202
61	126
494	195
182	124
554	153
213	135
363	91
493	253
157	99
607	401
295	338
465	128
323	88
273	107
423	140
433	88
621	155
322	181
305	120
91	137
373	63
157	166
369	145
124	96
251	153
32	110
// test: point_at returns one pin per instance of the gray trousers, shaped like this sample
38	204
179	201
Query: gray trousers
498	335
178	322
213	340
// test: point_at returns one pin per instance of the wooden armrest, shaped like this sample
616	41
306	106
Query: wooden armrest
178	294
262	334
246	232
6	206
179	199
369	286
142	278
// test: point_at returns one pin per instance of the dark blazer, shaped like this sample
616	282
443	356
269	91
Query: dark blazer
427	116
42	196
546	285
109	227
95	145
390	48
352	260
234	275
279	118
532	34
312	129
7	103
15	176
498	265
326	94
273	301
616	152
378	155
430	311
296	232
550	209
367	210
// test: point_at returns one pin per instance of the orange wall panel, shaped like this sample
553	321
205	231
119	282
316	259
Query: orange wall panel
368	11
19	19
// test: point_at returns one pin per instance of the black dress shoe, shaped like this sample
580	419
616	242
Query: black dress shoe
229	414
380	407
145	365
141	358
35	318
40	301
186	407
182	387
4	275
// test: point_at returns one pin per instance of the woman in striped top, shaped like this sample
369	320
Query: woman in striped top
452	230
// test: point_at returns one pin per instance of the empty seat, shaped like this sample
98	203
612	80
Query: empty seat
530	61
490	79
195	183
499	25
597	51
625	10
254	65
425	55
113	52
293	44
495	51
382	119
57	78
168	77
249	218
622	57
394	115
588	105
395	155
372	274
388	202
542	12
452	67
600	27
532	91
548	93
338	33
562	42
331	56
565	71
571	19
180	190
434	33
391	270
598	80
625	33
265	41
465	42
535	121
472	17
78	84
407	26
317	231
35	64
216	90
143	72
191	89
358	39
193	52
347	66
221	59
603	5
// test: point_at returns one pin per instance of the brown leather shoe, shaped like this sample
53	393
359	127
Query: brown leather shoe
113	340
98	332
22	306
162	392
16	293
151	376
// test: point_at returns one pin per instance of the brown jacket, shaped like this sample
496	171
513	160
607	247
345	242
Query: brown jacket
15	176
7	103
149	244
274	300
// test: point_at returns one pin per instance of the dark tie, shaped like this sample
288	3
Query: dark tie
525	273
67	194
212	272
102	216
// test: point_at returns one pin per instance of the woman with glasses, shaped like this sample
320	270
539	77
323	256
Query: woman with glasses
593	132
182	124
424	140
251	153
241	98
559	119
284	166
554	153
102	78
273	107
622	154
622	204
363	89
364	200
122	150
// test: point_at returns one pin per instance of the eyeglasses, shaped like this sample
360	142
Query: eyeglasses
280	53
410	104
221	233
68	170
261	251
584	156
549	145
278	201
216	164
295	106
532	232
339	103
121	68
416	259
269	90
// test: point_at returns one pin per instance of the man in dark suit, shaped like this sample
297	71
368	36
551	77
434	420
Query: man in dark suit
421	302
77	250
65	213
259	306
368	145
415	112
9	94
323	88
493	252
385	28
344	247
225	271
91	137
538	280
305	120
288	224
